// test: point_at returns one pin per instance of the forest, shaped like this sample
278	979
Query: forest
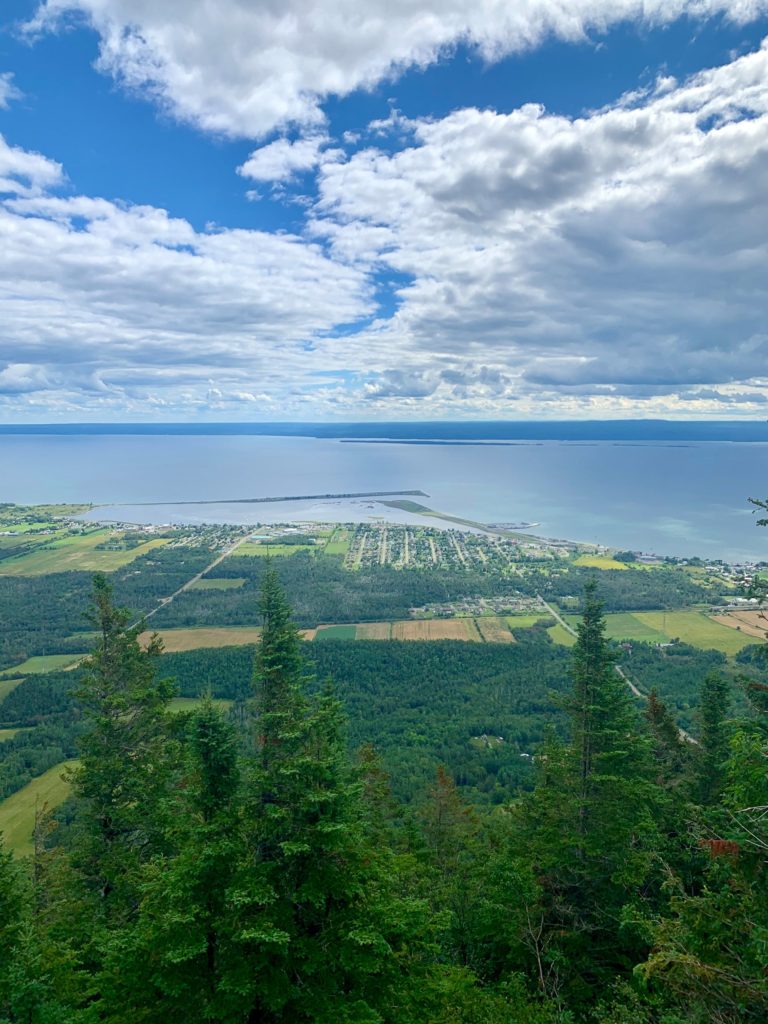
264	860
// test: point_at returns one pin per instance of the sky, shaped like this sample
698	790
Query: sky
325	210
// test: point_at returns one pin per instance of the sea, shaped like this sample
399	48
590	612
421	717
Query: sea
649	487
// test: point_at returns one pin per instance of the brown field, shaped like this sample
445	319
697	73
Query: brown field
750	623
494	630
176	640
435	629
374	631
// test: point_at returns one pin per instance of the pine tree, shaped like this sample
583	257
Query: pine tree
590	822
125	754
327	931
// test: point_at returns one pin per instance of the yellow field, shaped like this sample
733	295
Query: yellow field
176	640
695	628
76	553
750	623
600	562
374	631
17	812
435	629
494	630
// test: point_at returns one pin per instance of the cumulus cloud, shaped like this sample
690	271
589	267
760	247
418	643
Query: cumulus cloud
623	248
244	68
25	173
282	159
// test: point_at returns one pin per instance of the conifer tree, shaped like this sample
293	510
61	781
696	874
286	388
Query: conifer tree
125	756
590	821
714	706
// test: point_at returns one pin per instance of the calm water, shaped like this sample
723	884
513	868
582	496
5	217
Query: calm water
667	498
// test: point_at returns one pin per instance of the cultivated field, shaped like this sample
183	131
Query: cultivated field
525	621
6	685
76	552
750	623
494	630
344	632
41	663
176	640
265	549
695	628
17	812
178	704
560	635
436	629
626	626
216	584
374	631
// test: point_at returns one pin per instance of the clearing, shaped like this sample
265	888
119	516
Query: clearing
41	663
17	812
494	630
600	562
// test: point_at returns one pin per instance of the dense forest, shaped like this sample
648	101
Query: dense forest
241	865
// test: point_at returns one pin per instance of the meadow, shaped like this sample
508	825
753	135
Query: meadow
40	663
17	812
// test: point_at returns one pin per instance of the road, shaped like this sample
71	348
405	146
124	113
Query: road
638	693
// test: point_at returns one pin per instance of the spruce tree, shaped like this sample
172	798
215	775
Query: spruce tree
714	705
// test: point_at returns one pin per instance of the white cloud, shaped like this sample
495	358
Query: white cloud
621	249
282	159
246	67
8	90
25	173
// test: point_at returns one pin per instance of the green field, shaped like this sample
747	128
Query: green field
695	628
223	584
76	552
625	626
560	635
17	812
8	734
336	633
526	621
41	663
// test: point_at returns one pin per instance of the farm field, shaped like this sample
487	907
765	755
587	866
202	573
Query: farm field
17	812
436	629
76	552
176	640
749	623
695	628
626	626
374	631
525	621
560	635
41	663
335	633
494	629
178	704
219	584
600	562
8	734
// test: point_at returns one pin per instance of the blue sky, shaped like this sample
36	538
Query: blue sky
381	211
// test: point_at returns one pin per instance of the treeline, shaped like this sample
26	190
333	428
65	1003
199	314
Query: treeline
242	870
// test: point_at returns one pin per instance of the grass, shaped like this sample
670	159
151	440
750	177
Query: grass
6	685
17	812
526	621
75	552
560	635
494	629
600	562
374	631
750	624
271	550
223	584
695	628
42	663
336	633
